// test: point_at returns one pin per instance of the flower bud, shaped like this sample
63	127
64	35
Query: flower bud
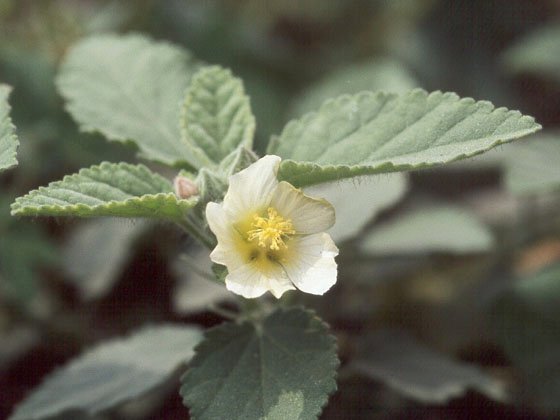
184	187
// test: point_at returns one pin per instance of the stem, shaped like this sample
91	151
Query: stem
192	264
287	300
195	231
255	309
224	313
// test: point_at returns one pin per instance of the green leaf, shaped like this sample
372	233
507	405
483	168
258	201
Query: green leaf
17	342
212	183
537	53
357	201
216	115
110	189
212	186
380	74
236	161
380	132
531	166
94	273
434	228
282	368
418	372
527	325
8	139
111	373
129	88
30	73
24	251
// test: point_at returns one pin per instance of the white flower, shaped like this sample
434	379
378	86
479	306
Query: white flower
271	235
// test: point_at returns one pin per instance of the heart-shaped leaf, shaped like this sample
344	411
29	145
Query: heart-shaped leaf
129	88
282	368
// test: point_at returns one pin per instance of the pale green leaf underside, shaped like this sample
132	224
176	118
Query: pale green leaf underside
435	228
217	115
379	132
538	52
527	325
119	190
380	74
129	88
420	373
282	369
358	200
193	292
111	373
8	140
94	273
533	166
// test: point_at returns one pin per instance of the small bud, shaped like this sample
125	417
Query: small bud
184	187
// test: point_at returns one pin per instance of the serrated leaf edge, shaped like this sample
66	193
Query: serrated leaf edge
19	209
58	209
331	385
355	170
201	75
13	156
111	341
90	129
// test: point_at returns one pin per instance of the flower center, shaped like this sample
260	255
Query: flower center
270	232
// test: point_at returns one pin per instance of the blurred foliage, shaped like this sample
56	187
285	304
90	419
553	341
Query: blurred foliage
425	229
532	166
527	325
537	53
379	74
291	56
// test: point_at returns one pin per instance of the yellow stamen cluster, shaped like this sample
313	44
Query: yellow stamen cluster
271	231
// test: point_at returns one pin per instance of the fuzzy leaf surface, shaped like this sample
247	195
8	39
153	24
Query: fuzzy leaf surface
236	161
8	139
216	116
282	369
110	189
129	88
434	228
111	373
370	133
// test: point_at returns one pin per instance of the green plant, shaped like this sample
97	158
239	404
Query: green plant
273	359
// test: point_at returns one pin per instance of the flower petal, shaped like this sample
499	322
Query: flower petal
226	252
308	215
218	221
249	282
250	189
280	285
226	256
311	266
